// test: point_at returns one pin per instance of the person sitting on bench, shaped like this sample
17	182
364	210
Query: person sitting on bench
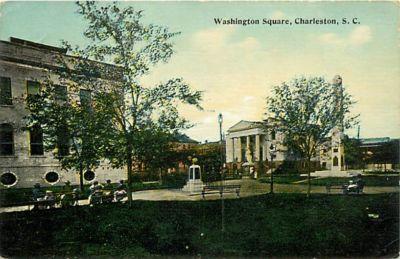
50	198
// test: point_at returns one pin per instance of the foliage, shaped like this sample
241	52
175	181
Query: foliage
353	154
274	225
137	121
306	111
117	35
71	128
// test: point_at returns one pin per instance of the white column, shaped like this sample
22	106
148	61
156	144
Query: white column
239	149
257	150
229	149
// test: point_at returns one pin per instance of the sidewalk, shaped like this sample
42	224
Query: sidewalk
248	188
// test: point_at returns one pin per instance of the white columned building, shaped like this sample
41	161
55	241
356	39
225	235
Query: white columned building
256	137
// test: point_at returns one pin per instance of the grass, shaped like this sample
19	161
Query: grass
370	180
283	179
266	225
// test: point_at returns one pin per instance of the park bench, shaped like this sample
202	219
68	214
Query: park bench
221	189
334	187
344	189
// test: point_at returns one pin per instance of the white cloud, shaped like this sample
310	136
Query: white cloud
331	38
277	15
248	98
360	35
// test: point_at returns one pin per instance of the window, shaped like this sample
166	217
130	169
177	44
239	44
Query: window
335	150
6	140
85	97
89	175
52	177
36	140
273	135
63	141
335	161
61	92
8	179
5	91
32	87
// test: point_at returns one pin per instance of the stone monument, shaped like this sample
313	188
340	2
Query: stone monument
194	183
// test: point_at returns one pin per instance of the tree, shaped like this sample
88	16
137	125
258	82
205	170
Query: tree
118	36
305	111
70	126
353	154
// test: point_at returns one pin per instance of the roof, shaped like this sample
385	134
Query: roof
242	125
37	45
183	138
372	141
46	57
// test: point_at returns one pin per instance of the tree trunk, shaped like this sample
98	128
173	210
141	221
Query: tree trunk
309	178
129	172
81	177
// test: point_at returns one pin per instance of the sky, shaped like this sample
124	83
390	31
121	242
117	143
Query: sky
237	66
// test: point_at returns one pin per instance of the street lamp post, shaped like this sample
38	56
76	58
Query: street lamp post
272	150
220	120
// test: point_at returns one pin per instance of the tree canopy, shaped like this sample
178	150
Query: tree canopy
307	110
136	115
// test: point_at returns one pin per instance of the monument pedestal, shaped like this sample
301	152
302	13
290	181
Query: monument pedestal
194	183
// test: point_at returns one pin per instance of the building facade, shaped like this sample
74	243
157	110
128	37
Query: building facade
253	143
23	160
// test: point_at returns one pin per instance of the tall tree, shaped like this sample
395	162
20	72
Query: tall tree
306	111
117	35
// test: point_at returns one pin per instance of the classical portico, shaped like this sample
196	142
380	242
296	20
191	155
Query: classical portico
248	137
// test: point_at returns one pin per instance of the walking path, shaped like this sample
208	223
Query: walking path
248	188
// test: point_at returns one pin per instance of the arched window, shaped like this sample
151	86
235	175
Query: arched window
6	140
335	161
36	140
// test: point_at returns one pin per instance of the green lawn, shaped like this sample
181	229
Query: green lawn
283	179
370	180
266	225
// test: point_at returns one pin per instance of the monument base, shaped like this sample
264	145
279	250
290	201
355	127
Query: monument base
193	186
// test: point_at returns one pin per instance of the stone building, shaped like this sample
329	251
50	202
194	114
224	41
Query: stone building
248	143
23	160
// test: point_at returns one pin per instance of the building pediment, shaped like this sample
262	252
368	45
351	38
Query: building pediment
244	125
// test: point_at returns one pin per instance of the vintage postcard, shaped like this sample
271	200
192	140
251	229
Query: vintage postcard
199	129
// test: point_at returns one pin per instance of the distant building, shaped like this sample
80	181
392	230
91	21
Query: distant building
251	140
23	160
380	154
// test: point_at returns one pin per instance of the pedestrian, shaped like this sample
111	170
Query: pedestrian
96	193
50	198
120	193
37	193
121	185
67	195
108	192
